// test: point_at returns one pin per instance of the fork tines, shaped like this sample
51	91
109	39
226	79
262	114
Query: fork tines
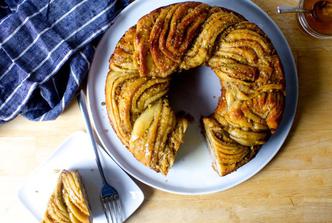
112	208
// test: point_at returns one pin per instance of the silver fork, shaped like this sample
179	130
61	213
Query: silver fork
109	196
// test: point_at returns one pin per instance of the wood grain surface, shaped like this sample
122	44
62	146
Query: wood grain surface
296	186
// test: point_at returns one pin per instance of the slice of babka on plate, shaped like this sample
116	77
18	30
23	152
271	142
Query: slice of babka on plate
68	203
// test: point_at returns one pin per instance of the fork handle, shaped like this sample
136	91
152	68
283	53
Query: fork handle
82	104
286	9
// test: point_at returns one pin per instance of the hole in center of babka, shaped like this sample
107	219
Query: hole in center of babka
195	92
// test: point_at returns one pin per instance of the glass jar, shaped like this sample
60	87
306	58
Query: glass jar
311	25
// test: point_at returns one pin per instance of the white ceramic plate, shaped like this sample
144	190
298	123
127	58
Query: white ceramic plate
192	172
76	153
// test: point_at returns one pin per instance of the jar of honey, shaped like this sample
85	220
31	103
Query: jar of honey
318	26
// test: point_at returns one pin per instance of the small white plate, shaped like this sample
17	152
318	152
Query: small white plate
76	153
192	172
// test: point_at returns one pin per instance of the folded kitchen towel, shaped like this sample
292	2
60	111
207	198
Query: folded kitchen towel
46	47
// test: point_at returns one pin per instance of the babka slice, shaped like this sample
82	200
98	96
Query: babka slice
68	203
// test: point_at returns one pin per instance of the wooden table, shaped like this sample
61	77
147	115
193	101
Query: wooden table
296	186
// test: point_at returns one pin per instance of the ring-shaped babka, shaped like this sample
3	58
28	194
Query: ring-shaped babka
181	37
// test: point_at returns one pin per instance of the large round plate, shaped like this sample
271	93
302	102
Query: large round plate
192	172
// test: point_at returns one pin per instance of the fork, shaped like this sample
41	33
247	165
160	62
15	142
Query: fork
109	196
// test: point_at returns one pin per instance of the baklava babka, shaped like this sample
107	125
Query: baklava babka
68	203
183	36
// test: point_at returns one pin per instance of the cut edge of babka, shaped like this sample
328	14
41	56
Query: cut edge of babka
219	163
155	147
175	141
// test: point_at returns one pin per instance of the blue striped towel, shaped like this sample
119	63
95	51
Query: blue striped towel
46	47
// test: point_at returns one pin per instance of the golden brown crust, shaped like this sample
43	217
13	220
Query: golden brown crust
142	54
184	36
165	34
122	59
203	45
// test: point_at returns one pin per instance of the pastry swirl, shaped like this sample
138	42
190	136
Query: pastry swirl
183	36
